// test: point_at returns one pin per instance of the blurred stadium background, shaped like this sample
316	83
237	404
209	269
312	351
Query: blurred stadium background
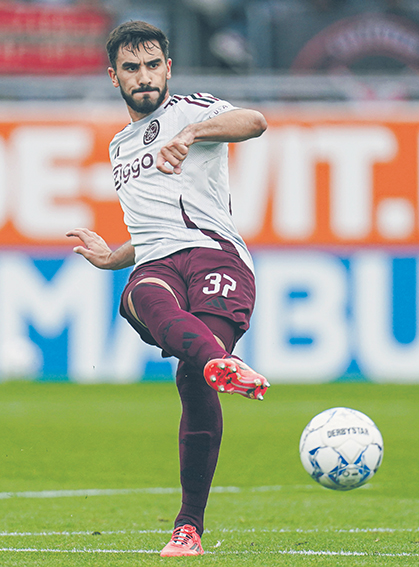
327	199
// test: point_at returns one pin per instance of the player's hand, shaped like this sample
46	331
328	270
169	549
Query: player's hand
95	249
171	156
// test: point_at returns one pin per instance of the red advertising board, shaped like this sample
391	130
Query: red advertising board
42	39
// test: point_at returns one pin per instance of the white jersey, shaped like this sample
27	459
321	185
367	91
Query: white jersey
167	213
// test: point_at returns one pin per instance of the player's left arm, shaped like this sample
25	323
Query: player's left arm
232	126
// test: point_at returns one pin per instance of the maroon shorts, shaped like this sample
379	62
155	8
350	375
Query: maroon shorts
204	280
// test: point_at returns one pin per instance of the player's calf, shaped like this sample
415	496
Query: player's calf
235	377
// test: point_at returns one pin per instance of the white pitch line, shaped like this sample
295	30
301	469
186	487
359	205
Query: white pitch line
87	492
47	550
106	492
87	533
152	551
214	532
317	530
156	490
321	553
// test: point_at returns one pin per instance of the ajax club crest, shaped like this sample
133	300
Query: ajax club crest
152	132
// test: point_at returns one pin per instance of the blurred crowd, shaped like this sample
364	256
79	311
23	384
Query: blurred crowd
271	34
281	35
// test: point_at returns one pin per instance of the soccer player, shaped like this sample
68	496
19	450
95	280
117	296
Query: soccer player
192	290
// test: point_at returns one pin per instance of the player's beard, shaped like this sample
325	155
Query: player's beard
145	105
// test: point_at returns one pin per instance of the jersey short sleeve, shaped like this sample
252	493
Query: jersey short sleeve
198	107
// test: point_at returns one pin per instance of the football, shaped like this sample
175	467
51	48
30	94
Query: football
341	448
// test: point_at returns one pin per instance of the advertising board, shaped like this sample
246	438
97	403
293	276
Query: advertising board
327	200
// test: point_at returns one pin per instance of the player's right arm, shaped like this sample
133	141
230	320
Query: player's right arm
235	125
98	253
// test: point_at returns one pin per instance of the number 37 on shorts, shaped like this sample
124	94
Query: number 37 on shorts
219	282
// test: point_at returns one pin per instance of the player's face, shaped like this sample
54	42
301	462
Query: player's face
142	75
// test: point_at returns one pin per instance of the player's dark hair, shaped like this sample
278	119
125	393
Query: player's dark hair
134	34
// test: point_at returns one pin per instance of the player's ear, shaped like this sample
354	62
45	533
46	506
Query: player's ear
169	68
113	76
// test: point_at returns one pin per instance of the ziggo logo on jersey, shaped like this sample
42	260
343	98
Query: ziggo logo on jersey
123	173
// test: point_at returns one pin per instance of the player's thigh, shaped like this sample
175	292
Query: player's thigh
220	283
159	273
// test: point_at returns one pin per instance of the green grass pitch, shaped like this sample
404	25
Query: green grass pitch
117	446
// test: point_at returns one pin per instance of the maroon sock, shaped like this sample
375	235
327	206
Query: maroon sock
176	331
199	443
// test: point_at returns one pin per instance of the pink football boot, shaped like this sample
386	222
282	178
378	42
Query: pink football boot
235	377
185	541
